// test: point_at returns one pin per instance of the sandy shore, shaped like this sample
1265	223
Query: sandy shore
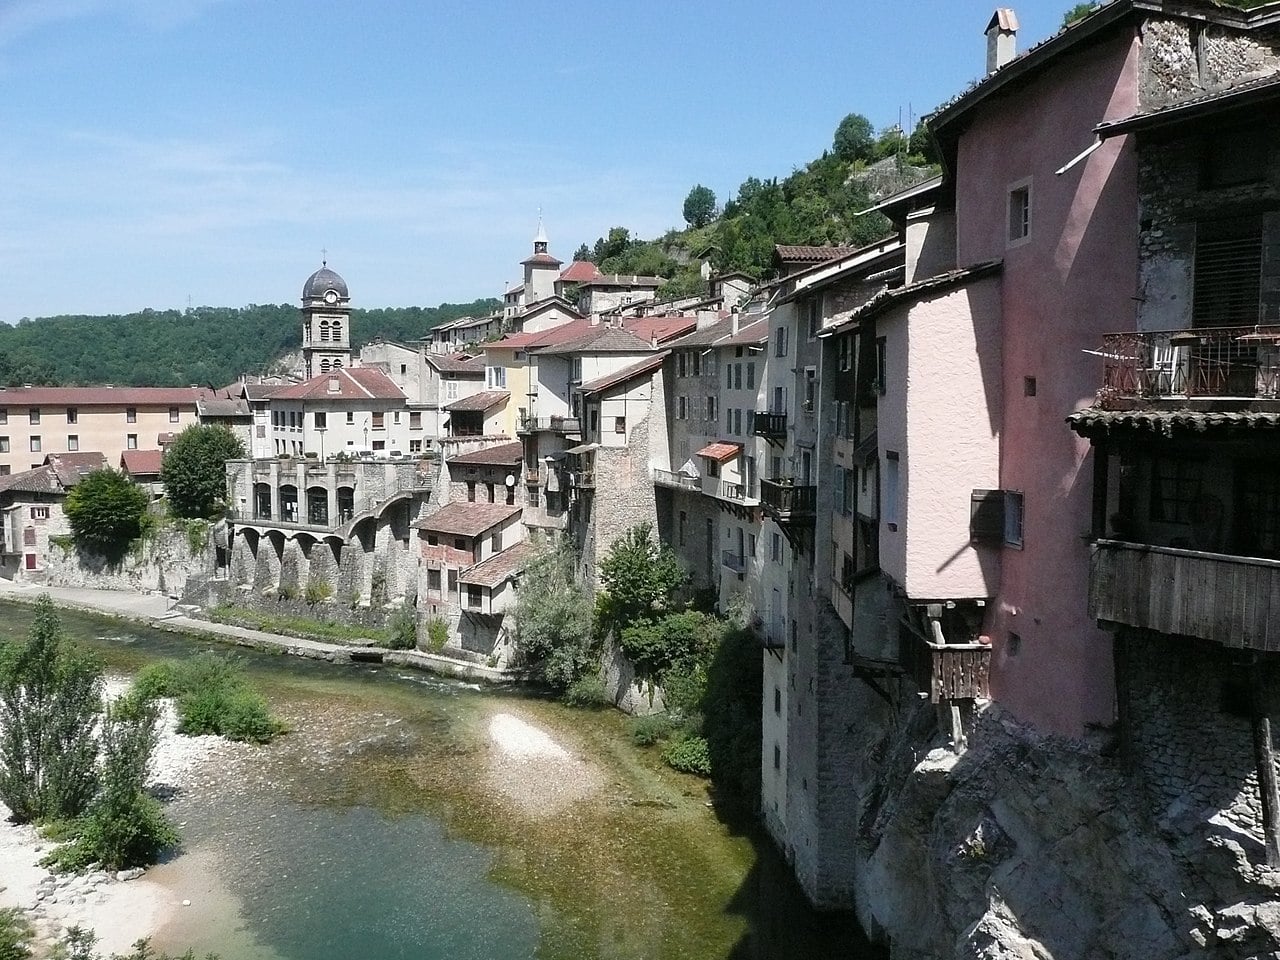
119	911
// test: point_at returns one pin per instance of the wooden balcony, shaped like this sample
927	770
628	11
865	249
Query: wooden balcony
1240	363
568	426
770	426
946	671
788	502
734	561
1234	601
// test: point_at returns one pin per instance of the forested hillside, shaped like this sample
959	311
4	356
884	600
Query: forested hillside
818	203
203	345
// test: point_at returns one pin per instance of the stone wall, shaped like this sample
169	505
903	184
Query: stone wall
1182	59
636	697
208	593
162	563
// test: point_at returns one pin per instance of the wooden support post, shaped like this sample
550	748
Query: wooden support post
1264	757
1120	649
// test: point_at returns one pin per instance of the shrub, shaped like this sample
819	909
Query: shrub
677	639
586	691
194	471
683	689
731	714
553	620
15	935
318	590
212	696
646	731
437	634
50	697
688	755
402	628
105	511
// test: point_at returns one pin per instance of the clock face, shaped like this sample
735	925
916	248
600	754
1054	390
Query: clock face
331	296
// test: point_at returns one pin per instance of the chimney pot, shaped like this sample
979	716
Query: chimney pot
1002	38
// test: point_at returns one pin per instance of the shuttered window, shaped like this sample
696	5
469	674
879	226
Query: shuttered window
1228	272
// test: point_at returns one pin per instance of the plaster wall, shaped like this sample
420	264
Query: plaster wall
1063	287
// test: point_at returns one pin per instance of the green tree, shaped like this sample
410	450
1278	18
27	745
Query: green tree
1078	12
50	697
854	138
613	245
194	469
582	253
699	206
677	640
105	511
553	620
639	579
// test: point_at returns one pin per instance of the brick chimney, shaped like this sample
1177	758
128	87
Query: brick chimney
1002	38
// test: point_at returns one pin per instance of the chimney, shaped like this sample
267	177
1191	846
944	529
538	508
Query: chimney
1002	38
735	316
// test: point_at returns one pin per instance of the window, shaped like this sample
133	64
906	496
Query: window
39	513
777	701
131	442
780	342
713	412
73	415
995	517
33	415
4	444
619	424
433	579
495	541
4	415
395	417
498	377
321	419
751	375
728	376
845	346
775	548
432	540
173	414
1012	518
681	360
459	543
1234	157
351	418
1020	212
1227	284
890	507
697	364
4	469
73	442
471	491
751	423
810	388
777	757
813	316
737	376
488	489
1177	488
415	422
35	444
415	446
131	415
475	596
682	408
737	423
728	422
379	420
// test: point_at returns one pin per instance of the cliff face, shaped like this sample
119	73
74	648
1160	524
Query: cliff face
1028	848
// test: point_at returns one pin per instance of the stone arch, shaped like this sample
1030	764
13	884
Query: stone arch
262	501
337	330
270	558
361	545
288	495
324	330
346	501
337	363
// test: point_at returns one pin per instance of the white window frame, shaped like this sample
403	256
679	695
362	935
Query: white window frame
1012	190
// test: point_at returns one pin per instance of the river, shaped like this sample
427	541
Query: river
387	825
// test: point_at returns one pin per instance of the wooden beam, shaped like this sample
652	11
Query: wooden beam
1264	758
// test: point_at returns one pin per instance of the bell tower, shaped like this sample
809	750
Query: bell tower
326	322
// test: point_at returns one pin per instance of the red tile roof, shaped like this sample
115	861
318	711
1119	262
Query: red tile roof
500	455
141	462
542	258
501	567
467	519
484	400
353	383
600	338
543	338
78	460
805	253
579	271
457	363
663	328
647	365
720	451
88	396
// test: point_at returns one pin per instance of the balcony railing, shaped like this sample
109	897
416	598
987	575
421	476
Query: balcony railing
724	490
585	479
565	425
1238	362
771	426
734	561
788	502
1234	601
682	481
947	671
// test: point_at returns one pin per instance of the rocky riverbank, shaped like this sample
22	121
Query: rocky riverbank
121	907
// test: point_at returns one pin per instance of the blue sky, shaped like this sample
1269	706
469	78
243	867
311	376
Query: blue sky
160	152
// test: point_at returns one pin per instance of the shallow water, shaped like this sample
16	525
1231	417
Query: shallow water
381	828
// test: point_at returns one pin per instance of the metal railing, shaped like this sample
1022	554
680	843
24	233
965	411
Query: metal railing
784	499
734	561
565	425
682	481
770	425
1240	362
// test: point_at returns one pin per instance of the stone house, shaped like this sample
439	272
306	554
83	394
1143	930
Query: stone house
354	411
31	512
606	292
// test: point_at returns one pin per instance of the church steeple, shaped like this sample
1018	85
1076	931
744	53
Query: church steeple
540	270
540	238
326	322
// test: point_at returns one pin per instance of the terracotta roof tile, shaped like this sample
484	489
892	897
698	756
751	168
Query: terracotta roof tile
353	383
450	363
720	451
484	400
88	396
501	567
807	253
600	339
541	259
503	453
663	328
630	372
467	519
579	271
141	462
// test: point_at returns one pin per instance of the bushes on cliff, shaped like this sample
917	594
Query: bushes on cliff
553	617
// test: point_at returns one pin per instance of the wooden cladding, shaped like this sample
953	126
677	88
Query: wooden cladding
1234	601
951	671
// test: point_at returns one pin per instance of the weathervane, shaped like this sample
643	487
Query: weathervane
324	256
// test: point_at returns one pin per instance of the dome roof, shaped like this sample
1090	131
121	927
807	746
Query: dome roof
322	281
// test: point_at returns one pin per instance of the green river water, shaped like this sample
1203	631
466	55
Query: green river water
382	827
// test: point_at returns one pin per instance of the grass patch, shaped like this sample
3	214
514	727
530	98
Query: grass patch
295	626
212	696
15	935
